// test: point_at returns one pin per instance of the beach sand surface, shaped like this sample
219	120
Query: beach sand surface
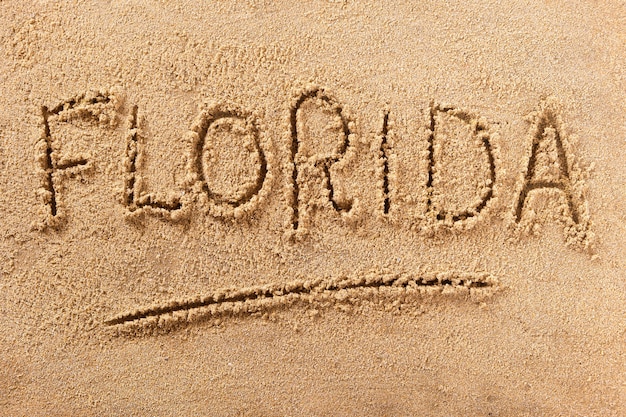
320	208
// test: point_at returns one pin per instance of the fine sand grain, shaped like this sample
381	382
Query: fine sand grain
267	208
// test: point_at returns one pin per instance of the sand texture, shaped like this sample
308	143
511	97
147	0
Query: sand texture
316	208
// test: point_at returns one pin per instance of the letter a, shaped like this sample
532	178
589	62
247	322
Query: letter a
548	163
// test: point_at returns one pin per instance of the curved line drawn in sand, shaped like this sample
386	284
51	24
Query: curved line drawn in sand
254	299
551	167
54	167
480	132
321	99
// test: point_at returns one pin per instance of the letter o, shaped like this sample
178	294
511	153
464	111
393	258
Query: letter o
229	183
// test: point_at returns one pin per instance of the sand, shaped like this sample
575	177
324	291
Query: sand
312	208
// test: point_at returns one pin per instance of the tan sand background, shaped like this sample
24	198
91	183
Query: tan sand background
128	89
